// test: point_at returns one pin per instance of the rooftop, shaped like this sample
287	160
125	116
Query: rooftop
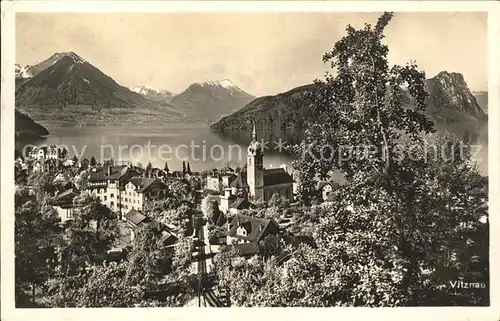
135	217
256	227
272	176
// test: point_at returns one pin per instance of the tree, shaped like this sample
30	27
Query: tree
89	235
166	167
188	169
148	260
93	161
279	201
271	245
101	286
148	167
42	185
394	212
181	190
401	224
21	175
215	233
210	208
75	160
82	181
183	168
37	233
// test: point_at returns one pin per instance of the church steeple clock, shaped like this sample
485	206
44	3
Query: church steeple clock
255	167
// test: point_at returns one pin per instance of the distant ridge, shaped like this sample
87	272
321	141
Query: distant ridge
153	93
449	100
26	127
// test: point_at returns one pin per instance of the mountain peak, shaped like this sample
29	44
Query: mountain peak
75	57
448	91
225	83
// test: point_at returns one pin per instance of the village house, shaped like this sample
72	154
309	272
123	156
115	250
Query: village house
69	162
46	152
139	189
124	187
59	178
249	229
240	203
226	199
325	189
44	166
136	219
214	182
158	173
107	184
63	204
227	179
219	182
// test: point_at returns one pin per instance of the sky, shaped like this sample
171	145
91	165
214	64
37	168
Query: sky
262	53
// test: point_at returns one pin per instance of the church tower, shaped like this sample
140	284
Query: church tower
255	168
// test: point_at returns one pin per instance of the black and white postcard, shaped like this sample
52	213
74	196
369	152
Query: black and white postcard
249	154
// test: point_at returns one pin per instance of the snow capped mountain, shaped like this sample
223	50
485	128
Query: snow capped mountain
152	92
76	58
210	100
225	84
65	87
52	60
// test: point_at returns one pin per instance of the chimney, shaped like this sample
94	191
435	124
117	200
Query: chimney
109	170
227	192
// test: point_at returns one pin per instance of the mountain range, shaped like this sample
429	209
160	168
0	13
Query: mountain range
153	93
211	100
67	89
449	100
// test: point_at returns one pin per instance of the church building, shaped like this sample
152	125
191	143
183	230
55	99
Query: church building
261	183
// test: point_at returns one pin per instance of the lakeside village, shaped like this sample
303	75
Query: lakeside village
226	210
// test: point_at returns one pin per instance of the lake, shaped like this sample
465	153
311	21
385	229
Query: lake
203	149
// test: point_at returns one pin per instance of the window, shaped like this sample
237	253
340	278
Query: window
112	195
126	199
112	204
105	198
70	213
